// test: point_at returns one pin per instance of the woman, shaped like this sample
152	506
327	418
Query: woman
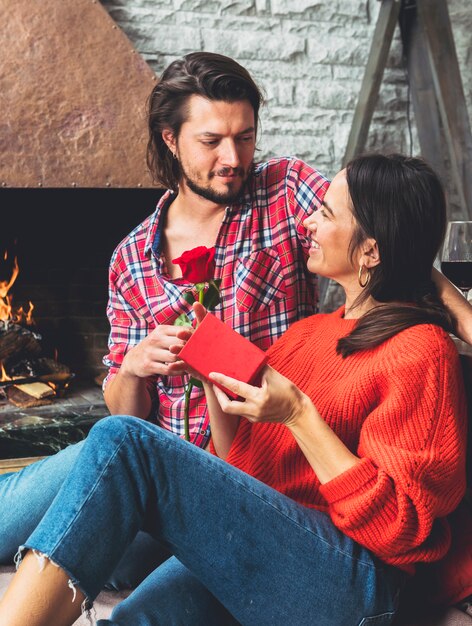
356	435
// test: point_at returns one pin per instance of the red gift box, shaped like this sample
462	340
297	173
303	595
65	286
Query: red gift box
216	347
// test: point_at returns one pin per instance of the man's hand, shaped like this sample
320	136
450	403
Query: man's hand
157	353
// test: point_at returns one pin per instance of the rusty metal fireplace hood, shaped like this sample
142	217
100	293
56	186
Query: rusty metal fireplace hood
73	98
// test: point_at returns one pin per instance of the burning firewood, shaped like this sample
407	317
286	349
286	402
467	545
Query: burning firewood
26	378
16	339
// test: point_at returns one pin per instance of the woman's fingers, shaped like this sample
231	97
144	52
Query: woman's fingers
277	400
236	386
233	407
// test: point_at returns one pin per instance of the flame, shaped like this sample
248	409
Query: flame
4	375
4	285
7	313
5	308
29	314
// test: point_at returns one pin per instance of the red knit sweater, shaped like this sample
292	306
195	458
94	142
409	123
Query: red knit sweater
400	407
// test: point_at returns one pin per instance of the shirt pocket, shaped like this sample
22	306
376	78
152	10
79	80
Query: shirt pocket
259	280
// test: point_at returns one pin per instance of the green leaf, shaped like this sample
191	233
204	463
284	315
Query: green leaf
188	297
212	297
183	320
216	282
196	383
199	287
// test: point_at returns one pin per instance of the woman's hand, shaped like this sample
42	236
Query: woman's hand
278	400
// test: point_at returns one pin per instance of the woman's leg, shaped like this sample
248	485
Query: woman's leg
41	598
266	559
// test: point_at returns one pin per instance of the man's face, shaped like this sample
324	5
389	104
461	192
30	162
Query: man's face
215	148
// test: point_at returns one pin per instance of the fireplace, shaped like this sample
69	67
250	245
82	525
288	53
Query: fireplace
63	240
73	183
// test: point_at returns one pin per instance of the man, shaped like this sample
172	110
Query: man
203	125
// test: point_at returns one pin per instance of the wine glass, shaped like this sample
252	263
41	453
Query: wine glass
456	259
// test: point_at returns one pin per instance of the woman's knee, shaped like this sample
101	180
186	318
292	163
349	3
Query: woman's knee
114	427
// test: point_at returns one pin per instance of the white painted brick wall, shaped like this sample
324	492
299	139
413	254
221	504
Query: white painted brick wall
308	55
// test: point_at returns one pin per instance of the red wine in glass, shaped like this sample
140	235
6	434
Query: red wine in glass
459	273
456	260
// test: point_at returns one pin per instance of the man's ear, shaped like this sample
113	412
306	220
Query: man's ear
169	140
370	256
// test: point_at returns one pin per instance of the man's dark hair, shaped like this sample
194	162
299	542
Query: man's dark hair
212	76
399	201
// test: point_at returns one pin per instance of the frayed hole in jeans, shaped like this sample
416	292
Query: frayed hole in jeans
42	558
18	557
71	585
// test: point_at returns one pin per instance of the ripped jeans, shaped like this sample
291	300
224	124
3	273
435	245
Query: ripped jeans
244	553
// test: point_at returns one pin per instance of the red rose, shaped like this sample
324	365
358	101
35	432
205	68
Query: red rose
197	265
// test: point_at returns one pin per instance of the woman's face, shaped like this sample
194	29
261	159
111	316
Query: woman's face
331	229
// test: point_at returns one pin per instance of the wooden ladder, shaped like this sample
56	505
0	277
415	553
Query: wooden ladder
435	84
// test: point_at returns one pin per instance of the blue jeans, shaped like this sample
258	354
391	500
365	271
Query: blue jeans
25	497
238	543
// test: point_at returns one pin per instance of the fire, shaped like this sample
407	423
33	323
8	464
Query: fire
3	374
7	312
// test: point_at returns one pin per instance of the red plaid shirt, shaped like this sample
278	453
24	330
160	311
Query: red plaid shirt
261	253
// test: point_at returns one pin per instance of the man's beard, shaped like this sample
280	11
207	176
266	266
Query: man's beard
220	197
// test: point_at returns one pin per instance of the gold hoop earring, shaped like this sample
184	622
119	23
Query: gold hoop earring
367	278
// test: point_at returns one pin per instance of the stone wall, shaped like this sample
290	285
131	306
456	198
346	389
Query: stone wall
308	55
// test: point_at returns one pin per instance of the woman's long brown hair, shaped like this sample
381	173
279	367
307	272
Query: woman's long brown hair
400	202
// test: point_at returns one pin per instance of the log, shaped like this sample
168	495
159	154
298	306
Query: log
61	378
36	390
50	366
23	400
18	340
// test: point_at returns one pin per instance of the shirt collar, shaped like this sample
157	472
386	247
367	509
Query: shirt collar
156	224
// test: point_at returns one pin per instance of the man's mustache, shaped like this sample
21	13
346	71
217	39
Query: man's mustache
228	171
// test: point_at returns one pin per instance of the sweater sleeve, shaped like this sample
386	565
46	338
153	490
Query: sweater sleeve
412	451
